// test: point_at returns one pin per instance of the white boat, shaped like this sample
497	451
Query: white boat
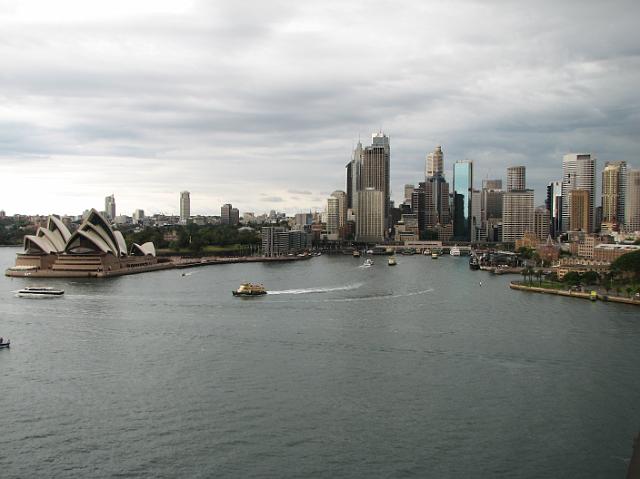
367	263
455	251
39	292
392	261
4	343
434	255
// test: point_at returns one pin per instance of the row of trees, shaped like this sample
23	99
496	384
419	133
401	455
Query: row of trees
12	230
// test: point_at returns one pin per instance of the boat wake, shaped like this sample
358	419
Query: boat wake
376	297
317	290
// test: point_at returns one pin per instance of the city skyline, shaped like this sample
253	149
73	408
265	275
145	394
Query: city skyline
270	119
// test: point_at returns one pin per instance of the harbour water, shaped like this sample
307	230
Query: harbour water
342	371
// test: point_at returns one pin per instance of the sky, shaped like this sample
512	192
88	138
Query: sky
259	103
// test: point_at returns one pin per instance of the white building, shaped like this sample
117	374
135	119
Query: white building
578	172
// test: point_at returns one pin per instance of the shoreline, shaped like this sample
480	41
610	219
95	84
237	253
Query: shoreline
574	294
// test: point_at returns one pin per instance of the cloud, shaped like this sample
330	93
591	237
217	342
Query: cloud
241	103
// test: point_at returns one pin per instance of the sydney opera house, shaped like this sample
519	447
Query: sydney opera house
95	249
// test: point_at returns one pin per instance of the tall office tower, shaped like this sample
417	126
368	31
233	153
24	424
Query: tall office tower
541	222
491	203
333	213
419	206
437	202
554	205
341	196
225	214
110	207
138	215
185	207
375	169
491	184
614	182
578	172
435	163
478	233
463	186
517	215
516	178
354	177
408	190
234	218
632	201
370	216
579	216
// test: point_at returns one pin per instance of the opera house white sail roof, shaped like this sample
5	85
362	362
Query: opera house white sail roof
94	236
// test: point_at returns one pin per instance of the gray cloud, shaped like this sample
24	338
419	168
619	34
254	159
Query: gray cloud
241	103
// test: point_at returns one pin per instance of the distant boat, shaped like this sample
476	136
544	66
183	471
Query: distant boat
356	253
39	292
367	263
392	261
250	289
5	344
434	255
455	251
474	264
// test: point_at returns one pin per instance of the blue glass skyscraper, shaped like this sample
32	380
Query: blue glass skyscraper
462	194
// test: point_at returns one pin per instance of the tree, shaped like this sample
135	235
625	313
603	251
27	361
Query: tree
572	277
590	277
627	265
629	291
525	252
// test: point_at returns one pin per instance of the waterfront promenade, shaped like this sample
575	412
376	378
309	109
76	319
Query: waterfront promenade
574	294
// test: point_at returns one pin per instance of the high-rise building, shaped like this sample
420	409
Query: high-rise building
354	177
419	207
333	213
478	232
578	172
579	215
110	207
491	207
376	169
408	190
614	182
491	184
341	196
230	215
370	216
632	201
517	215
435	163
463	186
185	207
553	203
138	215
516	178
541	222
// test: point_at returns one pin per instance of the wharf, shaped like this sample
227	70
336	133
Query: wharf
195	262
573	294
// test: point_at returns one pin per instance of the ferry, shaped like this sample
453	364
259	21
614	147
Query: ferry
367	263
250	289
392	261
455	251
39	292
356	253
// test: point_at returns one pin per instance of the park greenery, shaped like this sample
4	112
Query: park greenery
13	230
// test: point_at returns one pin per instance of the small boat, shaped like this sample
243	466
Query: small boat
434	255
455	251
250	289
39	291
5	344
474	264
356	253
392	261
367	263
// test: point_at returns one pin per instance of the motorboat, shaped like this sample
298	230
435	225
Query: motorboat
39	292
356	253
455	251
392	261
367	263
4	343
434	255
250	289
474	263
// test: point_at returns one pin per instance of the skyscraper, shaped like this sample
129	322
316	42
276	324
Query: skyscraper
408	190
553	203
376	169
632	201
614	179
579	216
185	207
517	214
229	215
463	186
491	184
333	213
516	178
435	163
578	172
370	216
110	207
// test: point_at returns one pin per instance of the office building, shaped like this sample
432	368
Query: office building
579	215
376	170
516	178
578	172
110	207
478	232
333	213
462	188
185	207
341	196
230	215
435	163
517	215
138	215
541	223
553	203
408	190
491	184
632	201
370	225
614	182
277	241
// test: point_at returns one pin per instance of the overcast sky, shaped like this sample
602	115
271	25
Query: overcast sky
260	103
